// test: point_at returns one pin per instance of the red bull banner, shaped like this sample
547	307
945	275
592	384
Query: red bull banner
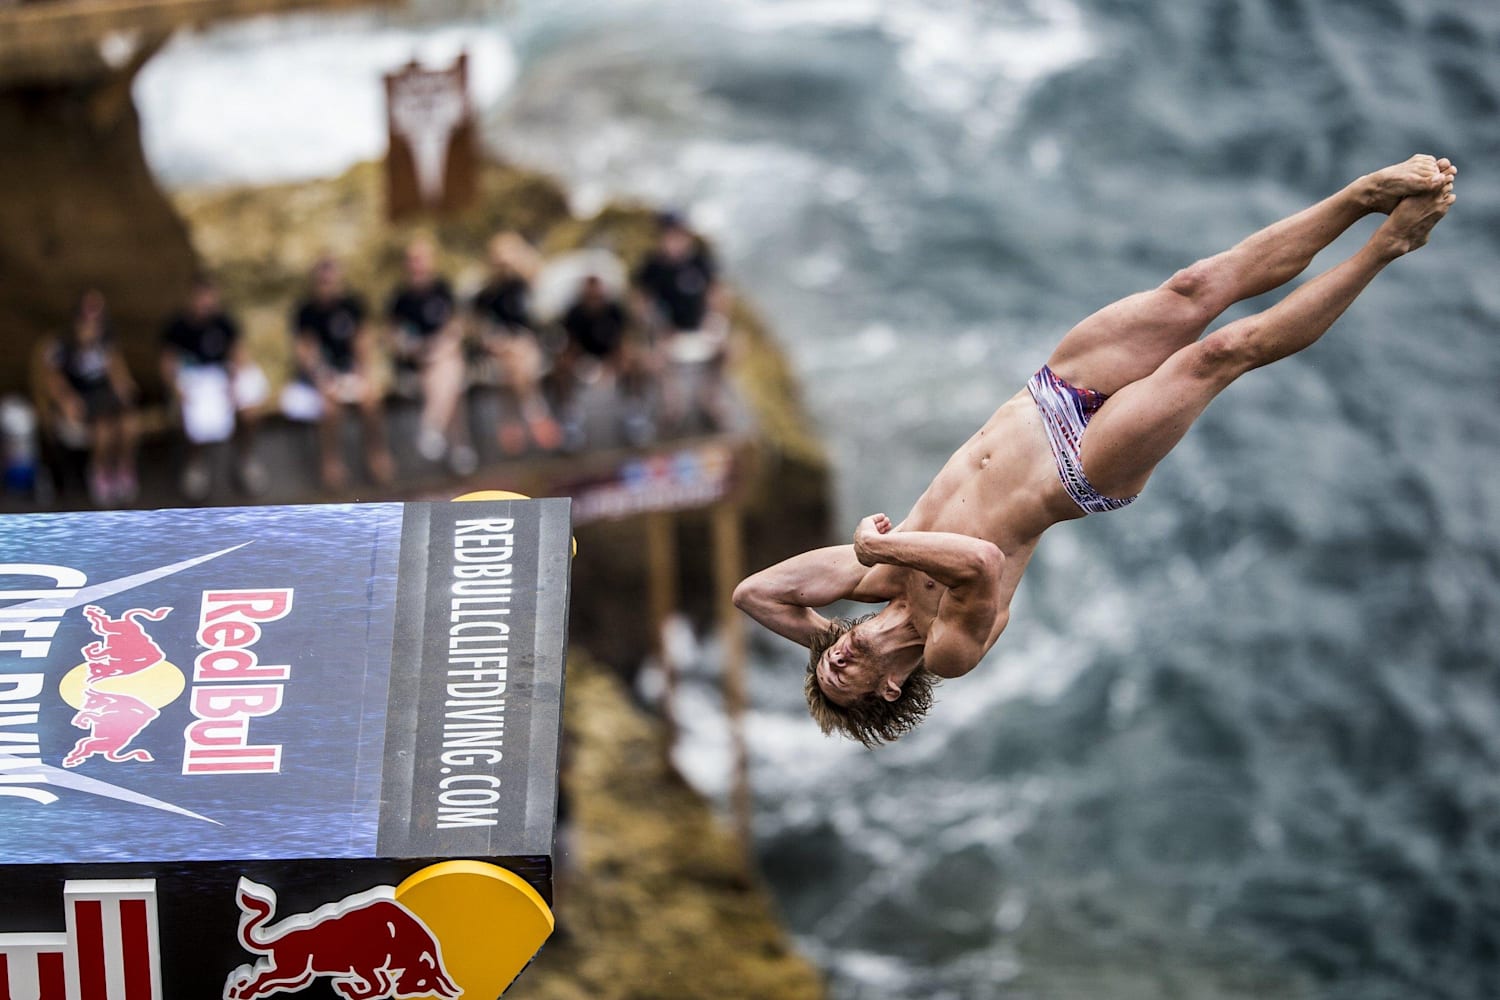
249	747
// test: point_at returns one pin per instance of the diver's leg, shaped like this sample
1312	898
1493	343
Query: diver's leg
1136	428
1129	339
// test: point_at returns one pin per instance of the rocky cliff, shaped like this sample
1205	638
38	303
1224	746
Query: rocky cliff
80	209
654	900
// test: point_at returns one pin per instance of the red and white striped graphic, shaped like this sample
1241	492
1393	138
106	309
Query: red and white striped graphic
33	966
110	950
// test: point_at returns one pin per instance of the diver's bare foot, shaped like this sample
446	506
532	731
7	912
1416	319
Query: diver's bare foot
1411	223
1383	190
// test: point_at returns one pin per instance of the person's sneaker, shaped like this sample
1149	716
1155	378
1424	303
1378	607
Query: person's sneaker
573	439
431	444
127	487
382	468
512	438
636	425
101	488
334	474
196	480
463	460
252	476
545	432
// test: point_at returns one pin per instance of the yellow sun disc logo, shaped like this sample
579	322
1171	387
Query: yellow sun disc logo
158	685
489	920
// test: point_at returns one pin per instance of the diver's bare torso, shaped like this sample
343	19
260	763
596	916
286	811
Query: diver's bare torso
1000	485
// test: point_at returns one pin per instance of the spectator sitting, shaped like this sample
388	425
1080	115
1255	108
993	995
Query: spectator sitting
334	371
218	390
502	312
428	339
596	325
91	396
680	297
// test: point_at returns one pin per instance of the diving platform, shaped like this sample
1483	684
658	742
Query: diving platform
305	749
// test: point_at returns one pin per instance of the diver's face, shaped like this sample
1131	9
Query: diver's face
848	671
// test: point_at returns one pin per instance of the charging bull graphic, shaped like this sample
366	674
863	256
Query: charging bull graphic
370	946
113	720
123	646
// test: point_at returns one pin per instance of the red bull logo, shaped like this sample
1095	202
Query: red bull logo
113	720
370	946
121	686
123	647
450	930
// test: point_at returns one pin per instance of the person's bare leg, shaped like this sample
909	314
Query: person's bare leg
1129	339
332	471
126	483
101	456
443	388
378	460
1137	427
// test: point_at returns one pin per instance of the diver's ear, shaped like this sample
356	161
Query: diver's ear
890	688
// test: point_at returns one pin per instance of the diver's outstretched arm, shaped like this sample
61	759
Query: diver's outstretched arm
782	597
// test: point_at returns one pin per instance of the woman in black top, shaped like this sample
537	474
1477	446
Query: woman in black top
333	353
92	396
502	314
427	337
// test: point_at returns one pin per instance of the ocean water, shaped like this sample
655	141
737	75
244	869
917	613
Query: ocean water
1240	739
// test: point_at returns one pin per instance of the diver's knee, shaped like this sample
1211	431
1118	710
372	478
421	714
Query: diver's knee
1199	287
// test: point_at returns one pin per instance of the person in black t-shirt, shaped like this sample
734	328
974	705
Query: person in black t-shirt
596	323
427	338
679	297
600	342
502	317
335	371
217	388
91	399
678	278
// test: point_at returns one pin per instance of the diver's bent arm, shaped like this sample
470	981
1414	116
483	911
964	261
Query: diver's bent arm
782	597
954	560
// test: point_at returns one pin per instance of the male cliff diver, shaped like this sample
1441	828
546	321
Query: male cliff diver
1117	394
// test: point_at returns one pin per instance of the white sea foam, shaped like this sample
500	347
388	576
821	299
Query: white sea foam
280	99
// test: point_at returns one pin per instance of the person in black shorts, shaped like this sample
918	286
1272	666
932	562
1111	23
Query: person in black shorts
217	388
427	339
502	318
91	397
334	367
596	324
679	296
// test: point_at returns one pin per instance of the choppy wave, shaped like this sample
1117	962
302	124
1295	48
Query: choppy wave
1241	739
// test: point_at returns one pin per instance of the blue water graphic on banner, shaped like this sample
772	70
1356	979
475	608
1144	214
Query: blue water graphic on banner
170	718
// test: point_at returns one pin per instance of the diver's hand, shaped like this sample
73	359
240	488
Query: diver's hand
869	531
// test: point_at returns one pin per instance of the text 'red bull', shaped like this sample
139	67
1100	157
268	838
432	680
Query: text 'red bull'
231	686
